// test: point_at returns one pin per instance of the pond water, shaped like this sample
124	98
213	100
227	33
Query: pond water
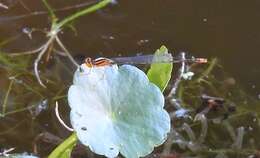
228	30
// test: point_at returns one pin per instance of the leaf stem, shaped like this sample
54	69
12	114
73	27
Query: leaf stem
50	11
66	146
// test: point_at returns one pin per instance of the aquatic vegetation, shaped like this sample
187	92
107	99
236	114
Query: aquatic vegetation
131	119
204	114
160	73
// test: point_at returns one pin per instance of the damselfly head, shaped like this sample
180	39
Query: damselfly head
88	62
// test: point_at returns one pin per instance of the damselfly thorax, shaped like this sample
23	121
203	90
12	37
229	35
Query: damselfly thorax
99	62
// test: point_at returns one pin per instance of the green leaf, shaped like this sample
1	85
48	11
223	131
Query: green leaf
65	148
160	73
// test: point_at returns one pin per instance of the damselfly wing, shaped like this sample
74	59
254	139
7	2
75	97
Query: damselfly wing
142	59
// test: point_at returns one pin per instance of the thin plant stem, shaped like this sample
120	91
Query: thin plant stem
36	13
208	70
49	52
83	12
59	52
34	51
56	27
19	110
59	97
38	59
24	5
75	6
50	11
10	39
66	51
12	128
178	78
32	89
6	97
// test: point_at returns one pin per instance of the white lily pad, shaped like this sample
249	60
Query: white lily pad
117	110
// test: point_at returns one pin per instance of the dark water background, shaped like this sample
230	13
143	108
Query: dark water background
228	30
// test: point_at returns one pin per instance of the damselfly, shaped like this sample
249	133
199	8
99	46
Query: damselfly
142	59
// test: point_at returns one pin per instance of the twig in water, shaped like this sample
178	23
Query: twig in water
59	118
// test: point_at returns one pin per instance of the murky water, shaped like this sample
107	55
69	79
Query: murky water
228	30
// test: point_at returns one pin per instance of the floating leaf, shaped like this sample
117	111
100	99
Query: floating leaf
117	110
160	73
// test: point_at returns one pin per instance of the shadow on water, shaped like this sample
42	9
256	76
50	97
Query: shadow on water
223	29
